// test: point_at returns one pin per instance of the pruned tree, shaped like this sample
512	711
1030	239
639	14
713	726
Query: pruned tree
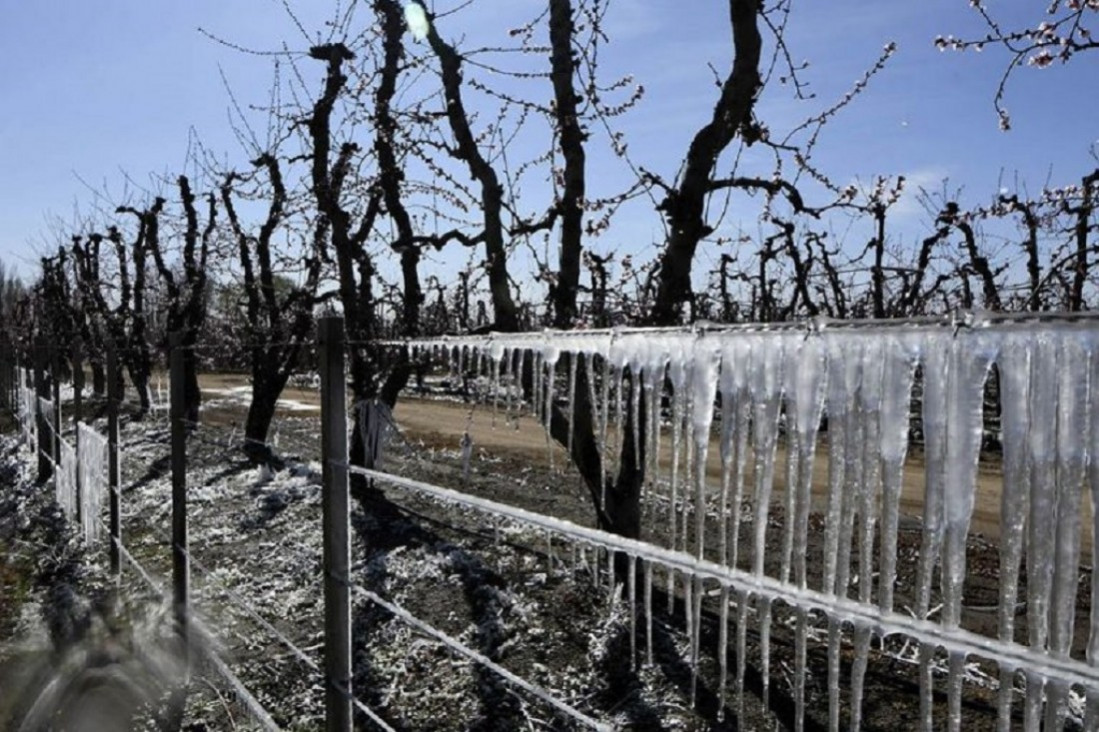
278	324
684	204
185	287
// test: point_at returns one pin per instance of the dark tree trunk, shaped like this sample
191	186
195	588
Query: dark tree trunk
99	378
684	207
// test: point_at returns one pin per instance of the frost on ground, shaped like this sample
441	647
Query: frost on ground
255	547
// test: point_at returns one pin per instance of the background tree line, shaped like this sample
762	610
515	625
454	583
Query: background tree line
377	154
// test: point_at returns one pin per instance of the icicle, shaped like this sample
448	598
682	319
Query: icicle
635	409
870	396
655	384
764	610
956	675
704	391
766	385
632	580
965	401
808	403
1032	706
728	430
800	653
858	671
688	587
1072	439
687	481
790	502
1041	543
897	377
619	372
518	370
573	358
835	637
604	415
536	397
936	376
506	383
723	653
610	575
694	608
740	461
853	468
742	600
840	384
597	421
550	357
495	387
649	612
677	374
1091	719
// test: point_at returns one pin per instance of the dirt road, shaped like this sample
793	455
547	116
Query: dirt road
442	423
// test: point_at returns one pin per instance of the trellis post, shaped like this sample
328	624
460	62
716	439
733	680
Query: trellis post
42	391
335	501
78	416
113	468
55	384
181	579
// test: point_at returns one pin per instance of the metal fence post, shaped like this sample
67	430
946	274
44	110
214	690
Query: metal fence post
181	579
335	500
42	391
114	477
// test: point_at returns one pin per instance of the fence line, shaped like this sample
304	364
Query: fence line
81	474
766	384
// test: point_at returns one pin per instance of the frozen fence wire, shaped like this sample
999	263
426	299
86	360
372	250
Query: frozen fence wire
768	388
255	709
480	658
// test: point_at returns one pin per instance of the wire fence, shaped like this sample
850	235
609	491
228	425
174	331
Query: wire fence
847	389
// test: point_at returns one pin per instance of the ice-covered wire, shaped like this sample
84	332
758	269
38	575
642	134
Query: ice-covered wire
473	655
769	588
258	712
243	604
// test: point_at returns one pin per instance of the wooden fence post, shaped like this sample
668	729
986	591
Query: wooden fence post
181	579
335	500
42	391
114	477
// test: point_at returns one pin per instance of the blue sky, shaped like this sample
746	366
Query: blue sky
95	91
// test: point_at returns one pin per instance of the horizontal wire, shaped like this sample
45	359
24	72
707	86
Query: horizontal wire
243	604
257	710
473	655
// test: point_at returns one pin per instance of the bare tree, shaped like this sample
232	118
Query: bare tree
186	288
277	324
